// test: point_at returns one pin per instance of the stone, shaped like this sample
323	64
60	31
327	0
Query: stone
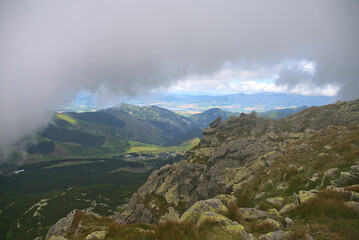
281	187
289	222
227	199
259	195
314	178
98	235
195	212
61	227
273	212
277	235
253	213
353	205
329	175
57	238
345	179
216	122
218	218
171	215
287	208
275	225
276	201
308	236
305	196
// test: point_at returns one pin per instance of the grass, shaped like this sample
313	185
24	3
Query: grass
67	118
234	213
169	231
327	217
70	163
138	147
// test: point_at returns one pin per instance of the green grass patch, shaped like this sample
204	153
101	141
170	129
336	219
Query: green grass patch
67	118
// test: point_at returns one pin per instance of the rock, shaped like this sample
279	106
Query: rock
353	205
277	235
216	122
281	187
61	227
314	178
238	229
273	224
308	236
171	215
305	196
253	213
195	212
347	178
259	195
301	169
289	222
277	201
287	208
57	238
330	174
227	199
98	235
273	213
218	218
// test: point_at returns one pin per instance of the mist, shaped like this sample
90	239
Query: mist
50	50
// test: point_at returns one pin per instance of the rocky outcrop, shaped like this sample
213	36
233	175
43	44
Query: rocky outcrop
229	154
62	227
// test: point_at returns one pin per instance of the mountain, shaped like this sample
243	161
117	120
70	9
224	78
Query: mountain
281	113
112	132
249	178
203	119
241	102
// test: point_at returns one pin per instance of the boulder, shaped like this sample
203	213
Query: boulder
289	222
277	235
171	215
329	175
253	213
197	209
61	227
273	224
305	196
347	178
218	218
352	205
276	201
281	187
98	235
287	208
227	199
57	238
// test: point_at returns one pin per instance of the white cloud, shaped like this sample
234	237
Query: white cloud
288	77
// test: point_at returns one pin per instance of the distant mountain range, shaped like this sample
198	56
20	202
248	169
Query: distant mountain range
113	131
240	102
193	104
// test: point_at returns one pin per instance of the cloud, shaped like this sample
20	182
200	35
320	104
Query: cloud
50	50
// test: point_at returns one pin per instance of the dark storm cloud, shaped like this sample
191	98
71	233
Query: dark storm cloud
49	50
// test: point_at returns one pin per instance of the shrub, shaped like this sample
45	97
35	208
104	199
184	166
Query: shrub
234	213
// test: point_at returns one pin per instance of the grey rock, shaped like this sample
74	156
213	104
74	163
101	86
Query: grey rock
216	122
62	227
274	225
330	174
289	222
277	235
309	237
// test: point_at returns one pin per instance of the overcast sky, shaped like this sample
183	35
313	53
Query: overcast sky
50	50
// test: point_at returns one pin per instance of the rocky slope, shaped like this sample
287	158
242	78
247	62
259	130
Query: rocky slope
256	175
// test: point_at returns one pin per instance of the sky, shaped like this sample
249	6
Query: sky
51	50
